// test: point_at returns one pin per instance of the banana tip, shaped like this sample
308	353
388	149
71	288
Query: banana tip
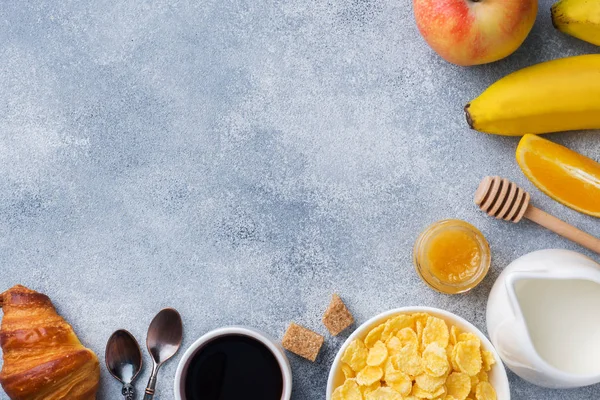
555	16
554	24
468	116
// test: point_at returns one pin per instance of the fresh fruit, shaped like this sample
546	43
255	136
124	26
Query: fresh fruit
566	176
559	95
579	18
470	32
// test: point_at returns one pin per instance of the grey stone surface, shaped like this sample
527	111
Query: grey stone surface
243	160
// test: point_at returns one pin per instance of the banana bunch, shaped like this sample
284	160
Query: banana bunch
579	18
558	95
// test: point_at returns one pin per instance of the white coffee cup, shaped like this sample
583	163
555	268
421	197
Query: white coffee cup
270	343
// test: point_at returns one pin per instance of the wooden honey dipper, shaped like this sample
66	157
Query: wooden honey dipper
503	199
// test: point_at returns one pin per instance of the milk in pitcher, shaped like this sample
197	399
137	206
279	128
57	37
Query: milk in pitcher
563	322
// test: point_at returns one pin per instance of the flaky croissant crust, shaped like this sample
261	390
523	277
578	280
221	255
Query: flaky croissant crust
43	358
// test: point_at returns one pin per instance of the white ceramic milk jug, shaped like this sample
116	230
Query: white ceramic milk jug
543	317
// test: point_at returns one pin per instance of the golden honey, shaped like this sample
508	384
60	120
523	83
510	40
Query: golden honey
452	256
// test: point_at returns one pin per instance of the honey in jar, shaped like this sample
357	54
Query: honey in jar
452	256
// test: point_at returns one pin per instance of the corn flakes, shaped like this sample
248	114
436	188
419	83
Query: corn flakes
384	393
371	388
465	336
348	371
408	360
377	354
488	360
458	385
388	367
348	391
396	376
392	326
436	330
429	383
485	391
419	325
394	345
424	394
369	375
474	382
374	336
435	360
407	335
467	356
416	357
454	332
404	387
356	355
483	376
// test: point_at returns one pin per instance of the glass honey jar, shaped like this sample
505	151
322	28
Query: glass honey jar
452	256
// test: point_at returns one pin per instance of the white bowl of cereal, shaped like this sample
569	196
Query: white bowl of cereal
406	353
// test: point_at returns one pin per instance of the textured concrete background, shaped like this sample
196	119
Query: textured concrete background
243	160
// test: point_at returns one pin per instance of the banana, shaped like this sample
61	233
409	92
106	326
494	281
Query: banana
558	95
579	18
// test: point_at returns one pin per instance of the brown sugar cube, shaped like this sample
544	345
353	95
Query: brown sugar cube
337	317
302	341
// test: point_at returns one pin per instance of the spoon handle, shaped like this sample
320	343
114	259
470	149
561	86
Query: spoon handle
149	392
128	391
148	396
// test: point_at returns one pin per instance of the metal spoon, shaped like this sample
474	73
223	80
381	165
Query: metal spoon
124	360
164	338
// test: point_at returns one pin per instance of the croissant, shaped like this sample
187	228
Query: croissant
43	358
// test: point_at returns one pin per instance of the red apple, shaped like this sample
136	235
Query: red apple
471	32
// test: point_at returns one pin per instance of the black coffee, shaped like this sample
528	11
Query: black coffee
234	367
